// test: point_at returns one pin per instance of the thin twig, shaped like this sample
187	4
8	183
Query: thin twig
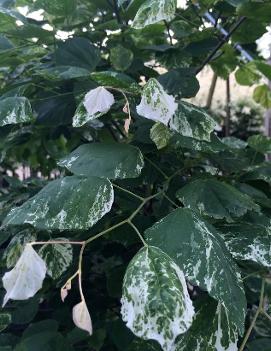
259	310
80	272
156	167
221	43
266	314
128	191
138	233
171	201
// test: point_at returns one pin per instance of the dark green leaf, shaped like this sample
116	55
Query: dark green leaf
78	52
262	172
105	160
180	81
216	199
121	58
5	320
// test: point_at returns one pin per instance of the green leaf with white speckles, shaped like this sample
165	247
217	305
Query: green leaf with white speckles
216	199
14	110
81	116
248	243
155	301
5	320
199	251
211	330
106	160
17	245
57	257
71	203
160	135
261	172
192	121
153	11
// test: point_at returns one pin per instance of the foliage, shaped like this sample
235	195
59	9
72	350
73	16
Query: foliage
132	226
246	118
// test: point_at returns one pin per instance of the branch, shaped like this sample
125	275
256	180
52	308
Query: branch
168	31
224	40
259	310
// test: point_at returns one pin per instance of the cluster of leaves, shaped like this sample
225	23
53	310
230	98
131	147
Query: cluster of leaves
174	221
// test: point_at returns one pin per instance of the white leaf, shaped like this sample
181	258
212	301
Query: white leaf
98	100
156	104
81	317
65	290
26	278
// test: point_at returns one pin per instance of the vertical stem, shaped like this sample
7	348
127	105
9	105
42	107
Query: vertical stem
80	271
168	32
228	108
211	91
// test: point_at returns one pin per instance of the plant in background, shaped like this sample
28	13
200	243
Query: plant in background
138	227
246	119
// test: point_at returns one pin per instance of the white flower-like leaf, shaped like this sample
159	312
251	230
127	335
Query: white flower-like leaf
26	278
98	100
81	317
155	103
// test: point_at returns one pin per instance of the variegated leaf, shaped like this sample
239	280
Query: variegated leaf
155	103
26	278
211	330
249	243
192	121
153	11
17	245
57	257
155	301
96	103
160	135
201	254
66	203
